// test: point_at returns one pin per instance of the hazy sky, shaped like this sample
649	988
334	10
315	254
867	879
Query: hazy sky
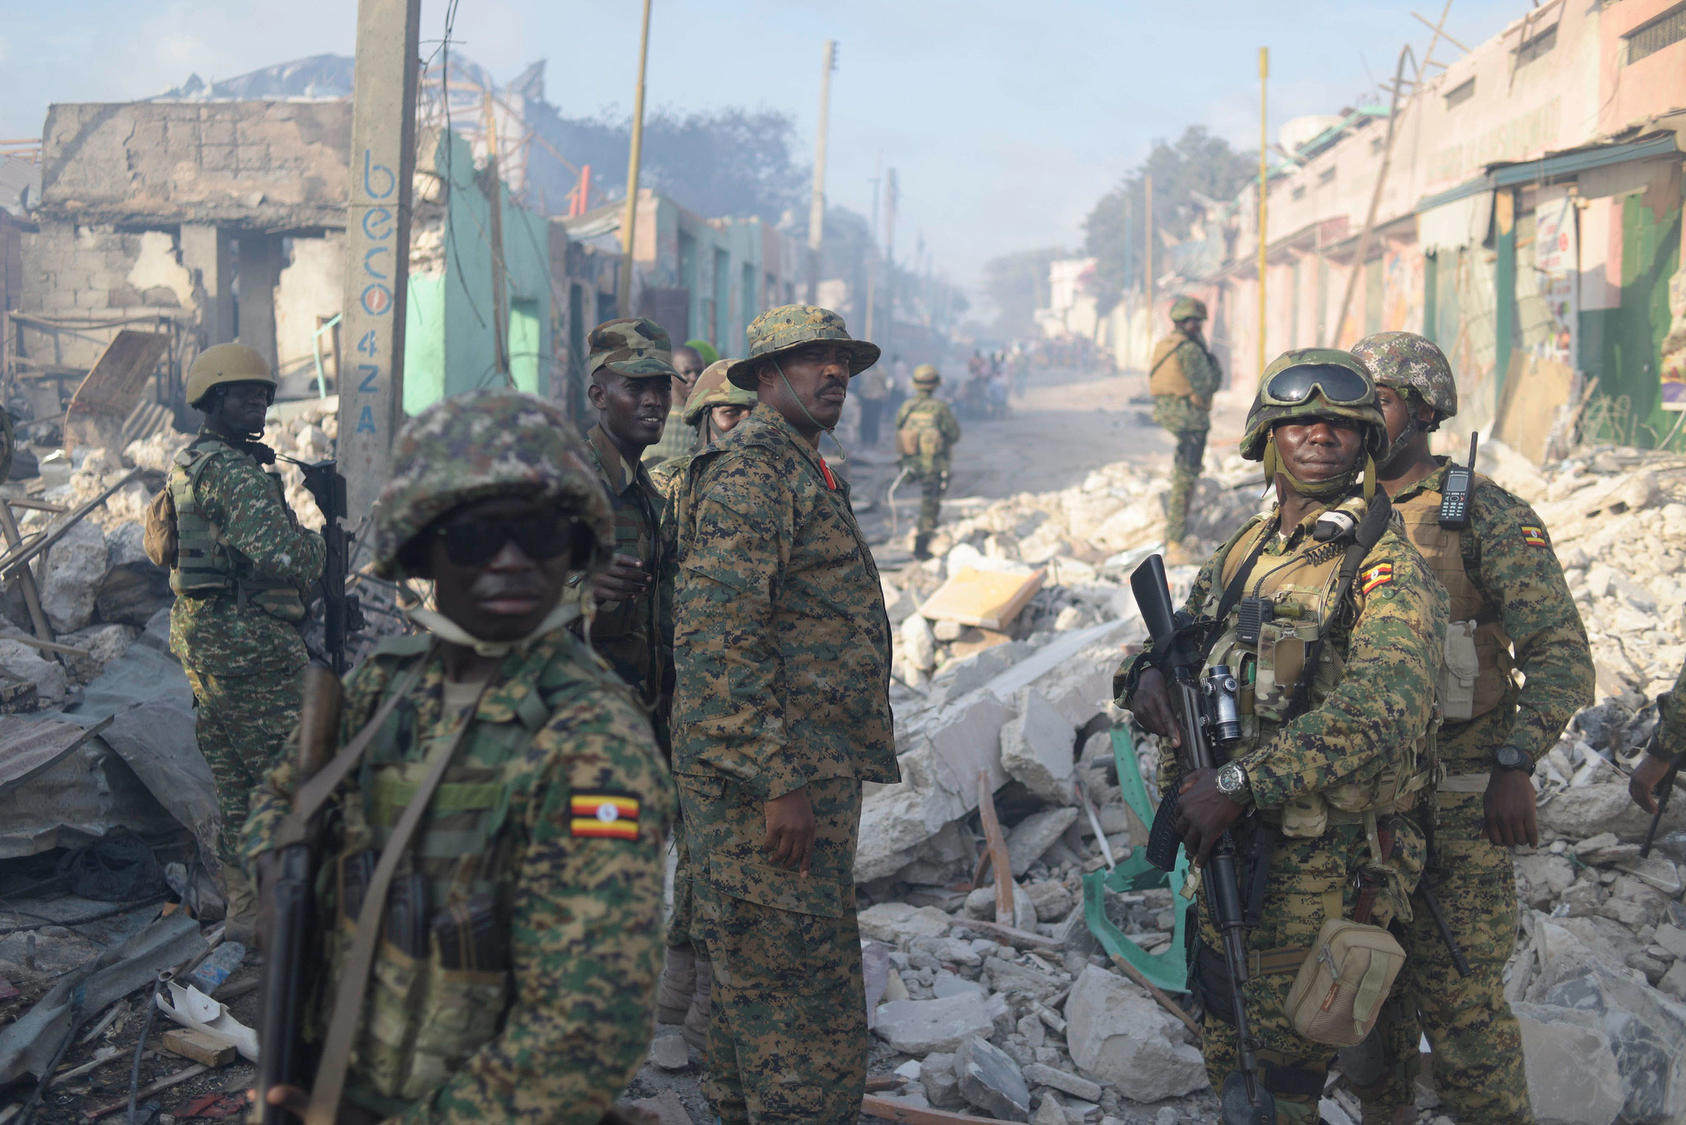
1005	119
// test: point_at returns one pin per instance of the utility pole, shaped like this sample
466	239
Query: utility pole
629	222
377	243
816	207
1147	245
872	261
1264	193
1124	295
889	257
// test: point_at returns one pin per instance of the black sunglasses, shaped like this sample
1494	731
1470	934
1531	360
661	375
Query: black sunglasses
477	542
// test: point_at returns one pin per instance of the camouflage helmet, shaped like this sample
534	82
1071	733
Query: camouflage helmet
713	390
925	375
224	364
1264	415
1185	307
1407	361
788	327
485	443
636	347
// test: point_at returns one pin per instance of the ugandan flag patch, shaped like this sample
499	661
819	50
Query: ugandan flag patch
603	814
1534	535
1375	577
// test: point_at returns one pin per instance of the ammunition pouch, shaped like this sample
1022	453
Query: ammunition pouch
1346	977
204	566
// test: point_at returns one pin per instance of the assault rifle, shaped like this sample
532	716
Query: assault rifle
1206	714
1665	790
287	884
341	613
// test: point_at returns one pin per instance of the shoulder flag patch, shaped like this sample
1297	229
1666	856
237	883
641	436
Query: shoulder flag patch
603	814
1374	577
1534	535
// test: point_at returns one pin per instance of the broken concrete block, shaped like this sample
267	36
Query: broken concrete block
1599	807
947	631
897	923
942	1087
134	587
668	1050
1064	1081
1034	835
990	1080
1572	1073
875	973
23	663
1117	1035
919	646
70	577
1051	899
918	1027
103	644
1038	749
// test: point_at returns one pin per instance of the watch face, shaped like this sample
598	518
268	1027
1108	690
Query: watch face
1230	779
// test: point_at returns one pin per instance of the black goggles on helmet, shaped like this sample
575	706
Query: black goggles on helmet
475	542
1294	386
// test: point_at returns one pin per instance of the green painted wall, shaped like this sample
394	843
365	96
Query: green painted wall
1622	346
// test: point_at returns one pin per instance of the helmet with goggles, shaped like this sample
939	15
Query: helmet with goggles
1308	383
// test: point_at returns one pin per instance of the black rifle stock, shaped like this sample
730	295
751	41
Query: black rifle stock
290	962
1177	654
341	615
1665	789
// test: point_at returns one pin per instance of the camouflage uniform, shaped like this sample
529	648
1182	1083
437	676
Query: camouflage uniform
1355	744
1182	377
1507	585
552	1018
239	644
678	439
1671	711
924	412
782	649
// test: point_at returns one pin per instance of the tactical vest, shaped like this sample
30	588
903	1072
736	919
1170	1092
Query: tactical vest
205	565
1478	665
1165	370
441	981
1301	590
920	433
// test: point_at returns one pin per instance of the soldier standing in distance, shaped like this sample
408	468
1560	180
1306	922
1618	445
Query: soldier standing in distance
1330	753
1183	376
677	437
242	568
517	951
926	433
782	649
631	374
1510	612
1670	744
715	408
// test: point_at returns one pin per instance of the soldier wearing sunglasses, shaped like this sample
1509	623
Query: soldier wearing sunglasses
517	783
1332	626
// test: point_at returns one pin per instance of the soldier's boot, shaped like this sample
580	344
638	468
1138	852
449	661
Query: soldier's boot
679	980
697	1017
921	547
240	921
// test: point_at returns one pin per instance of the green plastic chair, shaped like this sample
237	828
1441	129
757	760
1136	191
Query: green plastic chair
1167	969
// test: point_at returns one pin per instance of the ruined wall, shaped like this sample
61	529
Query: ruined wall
263	165
312	288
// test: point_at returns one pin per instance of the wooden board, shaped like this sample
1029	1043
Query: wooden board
199	1046
112	390
985	598
1535	391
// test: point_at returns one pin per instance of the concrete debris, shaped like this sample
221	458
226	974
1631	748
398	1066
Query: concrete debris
1117	1034
917	1027
990	1080
1037	749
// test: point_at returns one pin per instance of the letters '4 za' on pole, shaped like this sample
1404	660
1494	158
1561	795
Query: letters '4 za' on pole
377	239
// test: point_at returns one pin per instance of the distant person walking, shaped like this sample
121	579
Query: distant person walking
1182	377
926	434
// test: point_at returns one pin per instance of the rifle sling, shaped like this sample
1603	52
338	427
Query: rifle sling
1365	536
348	996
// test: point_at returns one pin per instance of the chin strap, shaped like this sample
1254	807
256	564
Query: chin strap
1320	489
842	454
447	630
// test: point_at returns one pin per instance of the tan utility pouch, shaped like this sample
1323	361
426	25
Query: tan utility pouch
158	531
907	442
1337	996
1459	673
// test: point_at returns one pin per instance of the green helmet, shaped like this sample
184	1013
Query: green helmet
1407	361
485	443
1185	307
926	375
713	390
1269	409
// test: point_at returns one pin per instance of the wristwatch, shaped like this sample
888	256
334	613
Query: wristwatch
1232	783
1510	758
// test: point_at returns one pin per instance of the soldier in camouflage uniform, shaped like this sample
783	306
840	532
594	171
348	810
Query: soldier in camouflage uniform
926	434
515	971
1182	377
1329	756
1671	743
631	380
677	437
242	567
782	649
1510	611
714	409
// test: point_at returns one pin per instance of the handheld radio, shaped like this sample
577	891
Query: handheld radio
1454	497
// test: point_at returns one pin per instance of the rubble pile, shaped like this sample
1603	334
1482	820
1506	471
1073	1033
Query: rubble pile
97	587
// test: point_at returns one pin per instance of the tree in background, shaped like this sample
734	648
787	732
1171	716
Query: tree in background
1190	179
1017	283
